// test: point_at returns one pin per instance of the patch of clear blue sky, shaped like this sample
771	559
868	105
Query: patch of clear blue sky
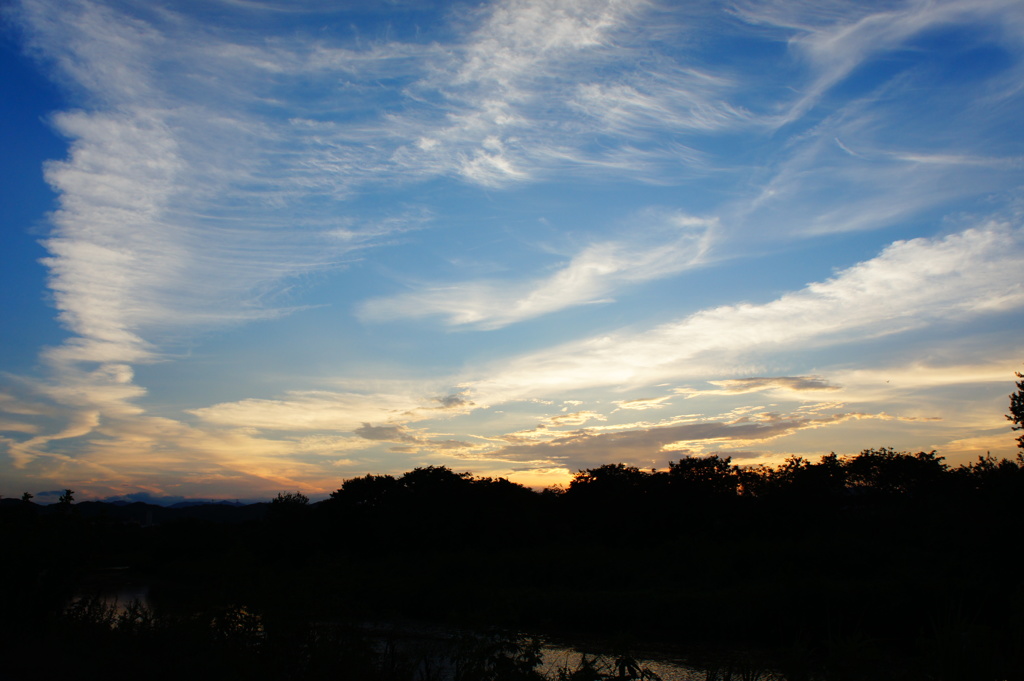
27	141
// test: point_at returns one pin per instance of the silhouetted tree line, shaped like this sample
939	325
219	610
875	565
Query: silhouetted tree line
437	506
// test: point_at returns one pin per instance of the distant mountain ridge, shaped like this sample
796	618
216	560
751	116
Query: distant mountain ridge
142	513
204	502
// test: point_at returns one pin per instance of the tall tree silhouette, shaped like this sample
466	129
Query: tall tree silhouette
703	478
888	472
367	492
1017	409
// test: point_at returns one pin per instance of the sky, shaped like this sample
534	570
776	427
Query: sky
253	246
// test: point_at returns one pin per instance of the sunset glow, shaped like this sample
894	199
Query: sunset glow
262	246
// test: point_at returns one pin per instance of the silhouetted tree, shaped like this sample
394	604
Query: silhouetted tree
616	501
290	499
612	481
367	492
704	477
1016	414
827	478
434	481
67	498
616	494
501	496
797	479
288	508
995	479
886	471
26	497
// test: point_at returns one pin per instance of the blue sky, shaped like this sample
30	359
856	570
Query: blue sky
252	246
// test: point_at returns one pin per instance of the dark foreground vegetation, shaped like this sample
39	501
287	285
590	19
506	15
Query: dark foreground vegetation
884	565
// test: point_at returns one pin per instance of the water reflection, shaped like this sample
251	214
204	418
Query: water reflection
556	659
113	587
425	651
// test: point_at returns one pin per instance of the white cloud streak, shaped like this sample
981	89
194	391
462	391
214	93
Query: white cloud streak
741	386
186	199
164	222
536	81
835	38
908	286
671	245
576	418
655	445
308	410
644	403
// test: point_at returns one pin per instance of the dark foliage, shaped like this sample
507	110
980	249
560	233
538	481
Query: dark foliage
882	565
1016	414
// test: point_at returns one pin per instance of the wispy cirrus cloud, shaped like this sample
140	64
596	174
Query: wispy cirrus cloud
309	410
576	418
655	445
193	189
541	87
644	403
420	442
197	128
855	171
179	207
835	38
910	285
740	386
859	155
215	168
201	178
744	432
105	452
681	99
667	245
